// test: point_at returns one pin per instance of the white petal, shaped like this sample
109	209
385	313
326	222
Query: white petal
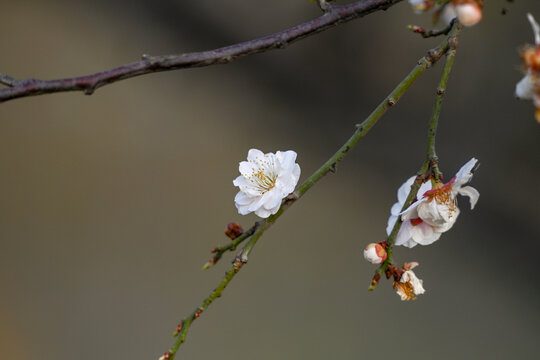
262	212
390	224
396	209
411	212
404	236
424	188
536	28
404	190
286	160
525	88
448	13
272	200
246	168
464	174
424	234
253	154
472	193
242	198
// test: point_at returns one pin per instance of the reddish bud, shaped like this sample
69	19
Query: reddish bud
375	253
233	230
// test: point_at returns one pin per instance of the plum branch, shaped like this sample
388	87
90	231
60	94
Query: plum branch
333	15
257	230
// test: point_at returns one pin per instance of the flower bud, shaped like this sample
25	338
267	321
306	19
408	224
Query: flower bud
469	13
233	230
375	253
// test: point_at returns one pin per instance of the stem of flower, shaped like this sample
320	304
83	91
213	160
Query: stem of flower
361	130
430	165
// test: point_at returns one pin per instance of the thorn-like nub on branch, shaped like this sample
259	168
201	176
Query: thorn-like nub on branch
324	5
440	91
391	101
88	91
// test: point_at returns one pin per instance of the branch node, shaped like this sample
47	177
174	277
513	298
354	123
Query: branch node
391	101
441	91
88	91
324	5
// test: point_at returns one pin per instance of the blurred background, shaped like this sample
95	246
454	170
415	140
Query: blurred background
110	203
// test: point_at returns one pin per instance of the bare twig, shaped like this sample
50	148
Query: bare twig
335	15
430	33
8	81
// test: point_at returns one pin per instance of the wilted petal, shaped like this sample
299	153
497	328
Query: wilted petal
471	192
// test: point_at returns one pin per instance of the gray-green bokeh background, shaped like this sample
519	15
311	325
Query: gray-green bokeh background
110	203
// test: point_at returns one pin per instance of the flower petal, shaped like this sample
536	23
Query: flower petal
404	190
253	154
403	237
424	234
464	174
471	192
525	88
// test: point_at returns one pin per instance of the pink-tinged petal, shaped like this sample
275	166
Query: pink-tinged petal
472	193
253	154
404	190
464	174
424	188
424	234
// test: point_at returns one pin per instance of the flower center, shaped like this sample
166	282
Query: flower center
264	175
443	195
406	289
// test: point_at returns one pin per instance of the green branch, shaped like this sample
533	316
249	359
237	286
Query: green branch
430	166
329	166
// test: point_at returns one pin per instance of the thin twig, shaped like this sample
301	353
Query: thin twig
430	166
8	80
335	15
430	33
361	130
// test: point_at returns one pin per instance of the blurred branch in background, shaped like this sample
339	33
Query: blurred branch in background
257	230
333	15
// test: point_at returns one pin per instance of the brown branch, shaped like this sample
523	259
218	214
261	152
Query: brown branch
334	15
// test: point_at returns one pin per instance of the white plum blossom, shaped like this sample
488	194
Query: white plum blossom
468	12
264	181
412	231
375	253
528	88
435	210
438	206
409	285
